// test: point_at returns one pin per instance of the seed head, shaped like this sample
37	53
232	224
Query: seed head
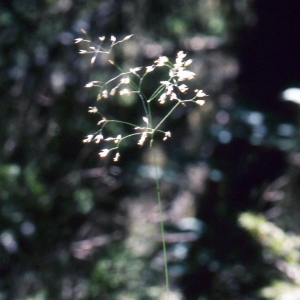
93	109
104	152
167	135
145	120
93	59
162	98
183	88
200	94
118	139
125	80
161	61
88	85
101	121
169	90
127	37
181	55
98	138
200	102
142	139
134	70
124	92
88	138
183	74
188	62
116	158
173	97
105	94
149	69
113	91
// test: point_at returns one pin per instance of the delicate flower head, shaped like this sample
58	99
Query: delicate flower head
169	90
162	98
124	92
93	59
101	121
171	73
161	61
104	152
179	63
173	97
105	94
113	91
88	138
183	74
188	62
200	102
93	109
166	83
134	70
166	90
142	139
98	138
116	158
181	55
183	88
125	80
145	120
200	94
179	60
167	135
118	139
90	84
149	69
127	37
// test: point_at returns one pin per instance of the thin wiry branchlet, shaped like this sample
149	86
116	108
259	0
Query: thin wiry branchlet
172	88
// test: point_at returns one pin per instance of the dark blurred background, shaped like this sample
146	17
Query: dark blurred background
74	226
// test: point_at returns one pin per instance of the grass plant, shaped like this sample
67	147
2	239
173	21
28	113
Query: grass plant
171	92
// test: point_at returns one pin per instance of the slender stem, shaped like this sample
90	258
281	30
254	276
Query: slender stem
156	93
166	116
150	115
161	222
118	121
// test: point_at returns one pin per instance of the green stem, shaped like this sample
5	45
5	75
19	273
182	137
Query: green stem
161	222
166	116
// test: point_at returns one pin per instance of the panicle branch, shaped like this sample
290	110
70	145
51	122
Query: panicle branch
172	90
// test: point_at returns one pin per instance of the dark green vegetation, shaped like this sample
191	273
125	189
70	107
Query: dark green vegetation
73	226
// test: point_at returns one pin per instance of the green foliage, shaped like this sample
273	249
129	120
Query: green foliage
120	273
281	290
276	242
280	248
84	200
